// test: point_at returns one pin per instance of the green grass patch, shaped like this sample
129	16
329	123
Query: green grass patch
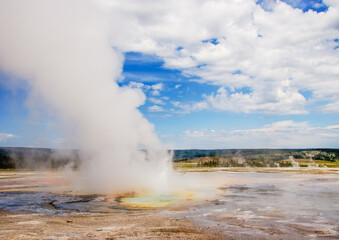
184	164
327	163
7	169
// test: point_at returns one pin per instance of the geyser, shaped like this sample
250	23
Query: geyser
62	48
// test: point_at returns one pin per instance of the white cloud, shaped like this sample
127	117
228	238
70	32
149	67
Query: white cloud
264	48
5	136
283	134
136	85
158	86
154	89
145	77
185	108
280	100
330	108
155	108
156	101
155	93
176	103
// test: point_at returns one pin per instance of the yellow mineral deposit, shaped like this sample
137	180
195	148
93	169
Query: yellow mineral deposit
149	201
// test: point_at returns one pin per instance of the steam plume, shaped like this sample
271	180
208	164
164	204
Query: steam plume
62	49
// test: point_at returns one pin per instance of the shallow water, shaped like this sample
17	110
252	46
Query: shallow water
282	205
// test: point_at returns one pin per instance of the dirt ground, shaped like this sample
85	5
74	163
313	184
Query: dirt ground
98	226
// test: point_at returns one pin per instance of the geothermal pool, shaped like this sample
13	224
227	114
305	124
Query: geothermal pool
240	205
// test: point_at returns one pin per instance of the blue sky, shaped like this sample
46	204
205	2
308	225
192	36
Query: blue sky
224	89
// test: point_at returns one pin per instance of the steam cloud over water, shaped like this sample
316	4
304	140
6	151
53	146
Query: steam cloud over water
62	48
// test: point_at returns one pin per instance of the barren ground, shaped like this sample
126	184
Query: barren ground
98	226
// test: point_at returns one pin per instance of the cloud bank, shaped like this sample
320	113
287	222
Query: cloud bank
283	134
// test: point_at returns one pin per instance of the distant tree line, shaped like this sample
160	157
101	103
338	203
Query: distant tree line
6	162
258	154
38	158
317	155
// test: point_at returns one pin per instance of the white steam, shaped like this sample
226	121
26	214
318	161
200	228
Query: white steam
62	48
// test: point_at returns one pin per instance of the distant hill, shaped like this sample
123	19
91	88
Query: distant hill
273	154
